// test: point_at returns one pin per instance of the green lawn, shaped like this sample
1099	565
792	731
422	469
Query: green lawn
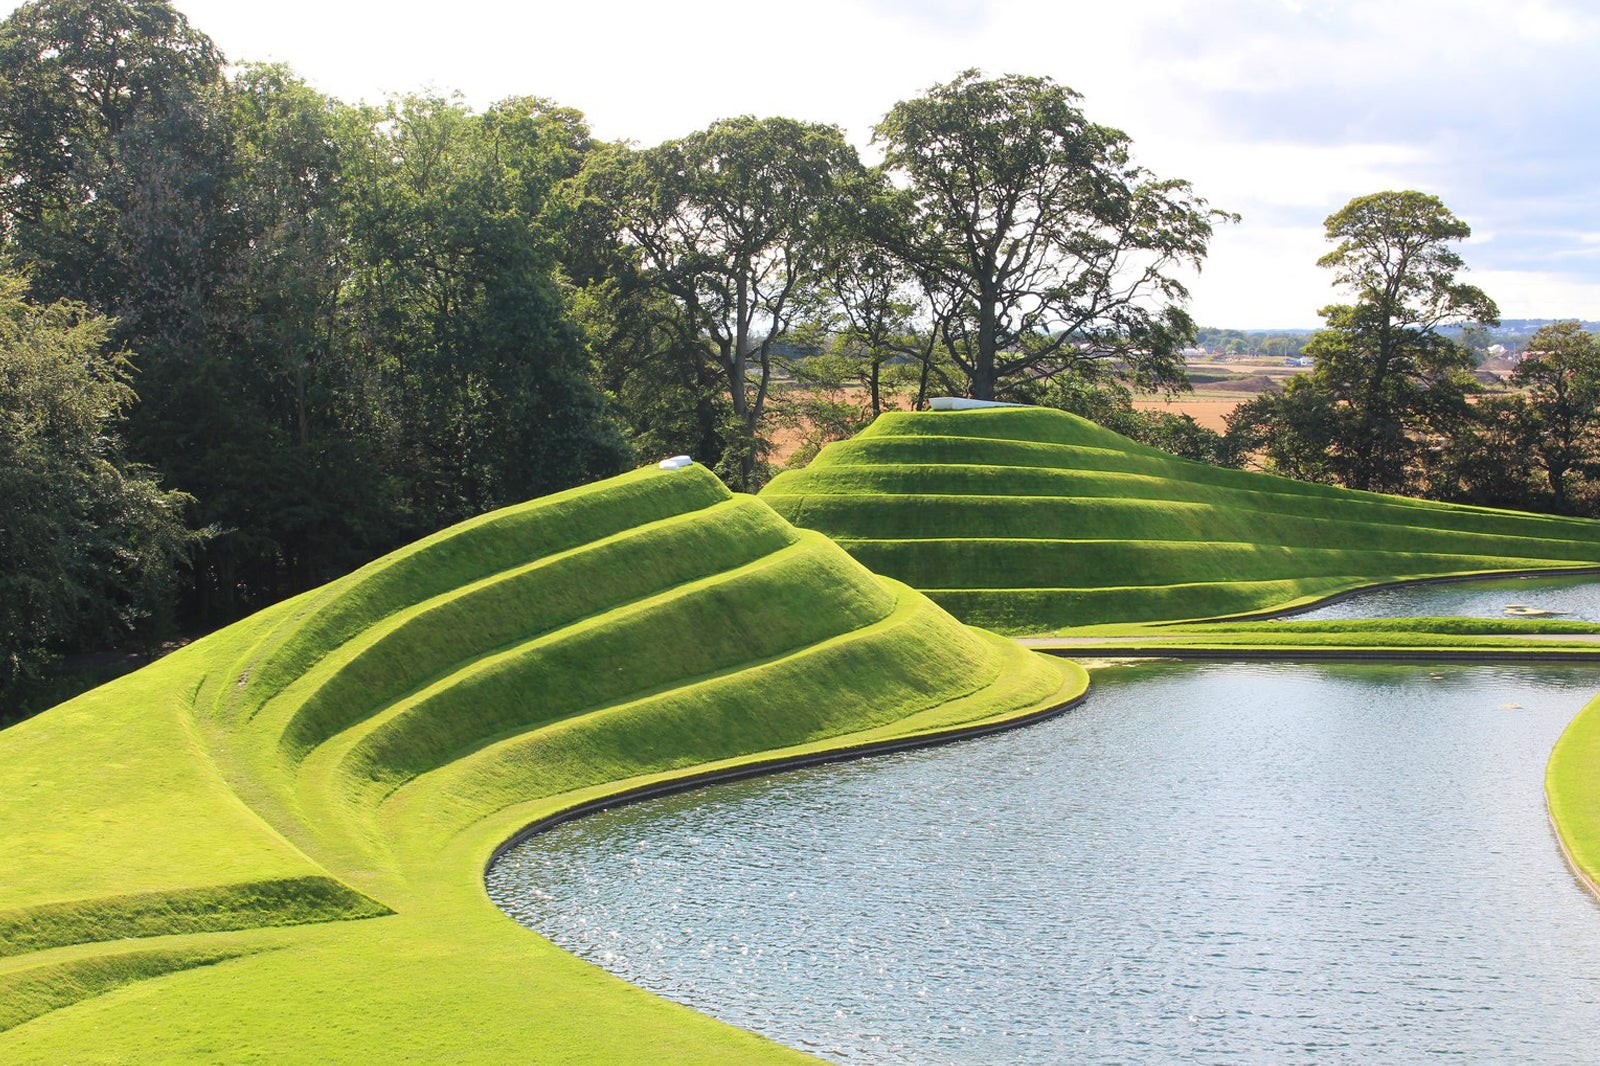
269	845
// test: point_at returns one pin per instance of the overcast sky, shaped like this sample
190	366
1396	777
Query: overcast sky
1280	110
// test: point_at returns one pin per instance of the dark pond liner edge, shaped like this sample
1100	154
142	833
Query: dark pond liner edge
1320	655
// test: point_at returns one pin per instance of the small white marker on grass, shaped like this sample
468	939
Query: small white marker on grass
677	462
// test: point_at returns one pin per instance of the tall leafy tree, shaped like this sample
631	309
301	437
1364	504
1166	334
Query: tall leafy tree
1560	414
1033	223
1386	381
114	159
91	542
454	299
733	223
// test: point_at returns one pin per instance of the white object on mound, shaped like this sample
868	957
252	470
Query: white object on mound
961	403
677	462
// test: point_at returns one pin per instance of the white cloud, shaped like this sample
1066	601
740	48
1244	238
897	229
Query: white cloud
1262	277
1540	294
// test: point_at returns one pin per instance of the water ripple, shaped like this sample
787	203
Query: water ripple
1213	864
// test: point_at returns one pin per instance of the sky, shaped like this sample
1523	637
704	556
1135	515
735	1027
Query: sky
1279	110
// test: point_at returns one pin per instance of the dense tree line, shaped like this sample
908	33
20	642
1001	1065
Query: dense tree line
314	330
252	336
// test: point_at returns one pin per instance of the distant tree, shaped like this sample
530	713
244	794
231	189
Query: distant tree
1050	245
662	380
1385	379
91	542
1561	413
877	305
733	222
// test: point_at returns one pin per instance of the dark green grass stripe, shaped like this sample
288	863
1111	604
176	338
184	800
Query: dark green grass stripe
531	602
993	564
1164	482
474	550
889	516
219	908
28	994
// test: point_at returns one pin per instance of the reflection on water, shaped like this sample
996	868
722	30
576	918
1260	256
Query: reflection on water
1223	863
1565	597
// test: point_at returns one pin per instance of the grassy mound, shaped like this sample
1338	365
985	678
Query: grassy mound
267	846
1028	520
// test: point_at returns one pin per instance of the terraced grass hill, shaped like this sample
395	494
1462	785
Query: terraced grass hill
268	846
1028	520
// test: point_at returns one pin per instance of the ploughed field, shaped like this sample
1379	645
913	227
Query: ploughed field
1027	520
269	845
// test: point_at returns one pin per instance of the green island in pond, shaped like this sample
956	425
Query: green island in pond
268	846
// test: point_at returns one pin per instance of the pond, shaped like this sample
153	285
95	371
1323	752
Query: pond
1576	597
1216	863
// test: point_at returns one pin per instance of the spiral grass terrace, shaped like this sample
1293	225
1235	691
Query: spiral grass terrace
1028	521
268	846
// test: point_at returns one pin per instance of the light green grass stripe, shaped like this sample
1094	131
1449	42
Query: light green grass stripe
471	550
1032	520
902	665
804	593
421	645
1572	792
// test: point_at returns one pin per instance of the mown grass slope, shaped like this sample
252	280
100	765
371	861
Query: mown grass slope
268	846
1572	792
1028	520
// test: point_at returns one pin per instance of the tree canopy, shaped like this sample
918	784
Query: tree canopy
1560	413
1046	242
1385	382
735	223
92	543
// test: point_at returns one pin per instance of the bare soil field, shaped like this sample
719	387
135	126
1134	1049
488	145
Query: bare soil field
1210	411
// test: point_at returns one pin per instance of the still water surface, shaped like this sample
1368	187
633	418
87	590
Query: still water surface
1218	863
1565	597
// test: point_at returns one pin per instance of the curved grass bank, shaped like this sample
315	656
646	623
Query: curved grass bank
1028	520
1572	791
268	846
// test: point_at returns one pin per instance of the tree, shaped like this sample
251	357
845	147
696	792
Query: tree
1050	245
454	301
733	223
78	75
1385	381
110	141
91	542
1561	414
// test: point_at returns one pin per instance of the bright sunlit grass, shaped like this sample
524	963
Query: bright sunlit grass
268	846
